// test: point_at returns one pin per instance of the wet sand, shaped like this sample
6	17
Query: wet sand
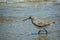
13	28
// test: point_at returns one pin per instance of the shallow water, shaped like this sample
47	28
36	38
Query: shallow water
13	28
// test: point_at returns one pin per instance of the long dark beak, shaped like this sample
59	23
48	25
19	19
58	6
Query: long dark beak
25	19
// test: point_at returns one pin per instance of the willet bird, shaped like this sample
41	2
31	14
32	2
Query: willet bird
40	24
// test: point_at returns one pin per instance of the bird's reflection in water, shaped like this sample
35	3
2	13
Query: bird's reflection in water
42	37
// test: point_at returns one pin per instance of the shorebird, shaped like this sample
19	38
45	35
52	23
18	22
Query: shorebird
40	24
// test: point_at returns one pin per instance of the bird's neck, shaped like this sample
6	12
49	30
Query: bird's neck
32	20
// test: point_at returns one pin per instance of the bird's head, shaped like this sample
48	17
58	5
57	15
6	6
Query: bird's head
30	17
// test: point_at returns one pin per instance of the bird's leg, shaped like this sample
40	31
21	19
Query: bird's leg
39	32
46	31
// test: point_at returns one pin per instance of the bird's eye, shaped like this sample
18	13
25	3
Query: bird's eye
53	22
30	17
